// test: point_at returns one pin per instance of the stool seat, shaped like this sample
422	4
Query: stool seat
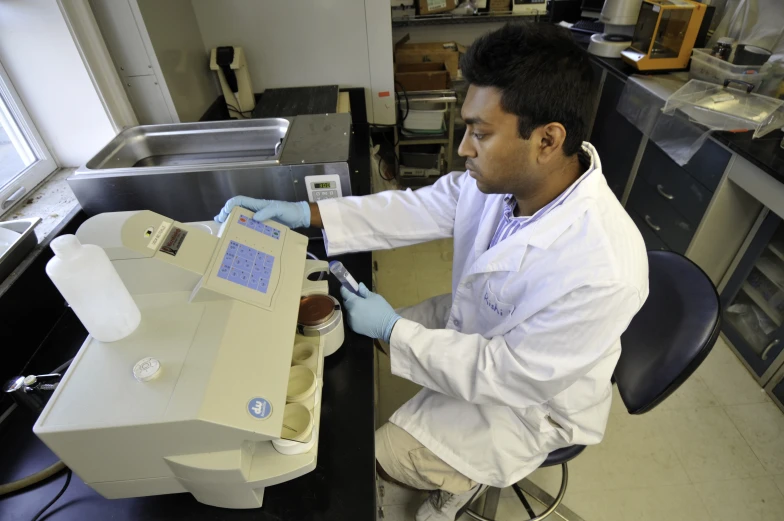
562	455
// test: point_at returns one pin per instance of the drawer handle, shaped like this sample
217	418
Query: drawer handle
767	349
664	194
650	223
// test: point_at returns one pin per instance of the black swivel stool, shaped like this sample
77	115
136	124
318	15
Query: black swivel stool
664	344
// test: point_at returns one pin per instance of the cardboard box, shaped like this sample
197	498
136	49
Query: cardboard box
422	76
500	6
436	6
447	53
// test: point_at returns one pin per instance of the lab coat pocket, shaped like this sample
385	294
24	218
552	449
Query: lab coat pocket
492	310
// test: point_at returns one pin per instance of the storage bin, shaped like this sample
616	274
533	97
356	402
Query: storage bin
709	68
424	115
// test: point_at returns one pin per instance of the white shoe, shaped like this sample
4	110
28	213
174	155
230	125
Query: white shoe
443	506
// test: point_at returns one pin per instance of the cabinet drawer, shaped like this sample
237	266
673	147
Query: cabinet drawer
652	241
675	186
660	216
708	164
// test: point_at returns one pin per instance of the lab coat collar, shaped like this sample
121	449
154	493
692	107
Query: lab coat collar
508	255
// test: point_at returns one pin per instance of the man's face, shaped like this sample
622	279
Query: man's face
497	157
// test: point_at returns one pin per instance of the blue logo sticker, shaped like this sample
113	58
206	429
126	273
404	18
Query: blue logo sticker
259	408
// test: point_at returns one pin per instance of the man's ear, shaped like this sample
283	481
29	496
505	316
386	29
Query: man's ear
549	141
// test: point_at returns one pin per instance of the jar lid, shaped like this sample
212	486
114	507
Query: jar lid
316	309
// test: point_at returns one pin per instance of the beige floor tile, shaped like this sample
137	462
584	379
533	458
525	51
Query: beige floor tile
617	406
728	380
779	480
693	393
708	444
396	495
756	499
398	513
762	425
671	503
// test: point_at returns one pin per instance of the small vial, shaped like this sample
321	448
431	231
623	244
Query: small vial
345	278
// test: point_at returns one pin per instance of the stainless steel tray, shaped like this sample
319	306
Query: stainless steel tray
26	241
159	148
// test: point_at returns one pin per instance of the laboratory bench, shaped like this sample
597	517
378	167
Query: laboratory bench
722	208
40	332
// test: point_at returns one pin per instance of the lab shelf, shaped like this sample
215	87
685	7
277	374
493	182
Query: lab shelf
760	301
772	270
450	19
777	248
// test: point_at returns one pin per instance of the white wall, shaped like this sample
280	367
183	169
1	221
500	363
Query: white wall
179	48
42	60
292	43
464	34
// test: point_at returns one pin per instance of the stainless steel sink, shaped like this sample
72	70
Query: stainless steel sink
19	246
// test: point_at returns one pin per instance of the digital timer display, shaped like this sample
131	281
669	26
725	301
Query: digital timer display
322	185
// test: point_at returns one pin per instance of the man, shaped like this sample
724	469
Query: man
548	271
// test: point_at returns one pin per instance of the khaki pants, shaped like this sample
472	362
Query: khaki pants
409	462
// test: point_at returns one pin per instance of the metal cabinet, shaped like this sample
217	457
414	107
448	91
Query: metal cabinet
753	302
672	200
615	139
776	388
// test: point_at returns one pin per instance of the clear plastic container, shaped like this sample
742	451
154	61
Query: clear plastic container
86	278
727	108
715	70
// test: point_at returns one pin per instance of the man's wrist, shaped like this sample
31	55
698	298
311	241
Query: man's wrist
390	328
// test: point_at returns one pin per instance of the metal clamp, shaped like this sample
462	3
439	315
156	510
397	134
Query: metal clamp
651	225
664	194
767	349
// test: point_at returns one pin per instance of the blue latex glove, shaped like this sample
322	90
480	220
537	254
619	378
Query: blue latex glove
369	315
293	215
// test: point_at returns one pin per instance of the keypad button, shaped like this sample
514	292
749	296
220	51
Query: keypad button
253	281
246	253
262	286
266	273
243	264
243	220
276	234
269	260
233	247
223	271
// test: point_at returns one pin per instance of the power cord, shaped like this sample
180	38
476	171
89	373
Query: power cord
68	474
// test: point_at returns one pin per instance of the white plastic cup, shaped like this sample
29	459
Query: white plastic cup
305	354
302	384
297	423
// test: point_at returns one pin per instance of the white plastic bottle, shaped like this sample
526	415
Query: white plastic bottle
87	279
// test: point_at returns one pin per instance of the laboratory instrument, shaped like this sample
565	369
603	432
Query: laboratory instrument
619	18
665	34
232	70
86	278
207	163
529	7
320	316
345	278
194	399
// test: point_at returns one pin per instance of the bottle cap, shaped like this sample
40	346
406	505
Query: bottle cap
65	246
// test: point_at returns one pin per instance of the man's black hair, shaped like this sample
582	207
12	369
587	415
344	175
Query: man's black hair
543	75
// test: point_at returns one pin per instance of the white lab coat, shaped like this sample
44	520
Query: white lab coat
517	361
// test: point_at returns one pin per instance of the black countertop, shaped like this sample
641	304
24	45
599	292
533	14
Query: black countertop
766	152
341	488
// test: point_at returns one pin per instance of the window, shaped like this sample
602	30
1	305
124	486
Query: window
24	159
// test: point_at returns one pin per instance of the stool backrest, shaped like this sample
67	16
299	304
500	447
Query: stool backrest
671	335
